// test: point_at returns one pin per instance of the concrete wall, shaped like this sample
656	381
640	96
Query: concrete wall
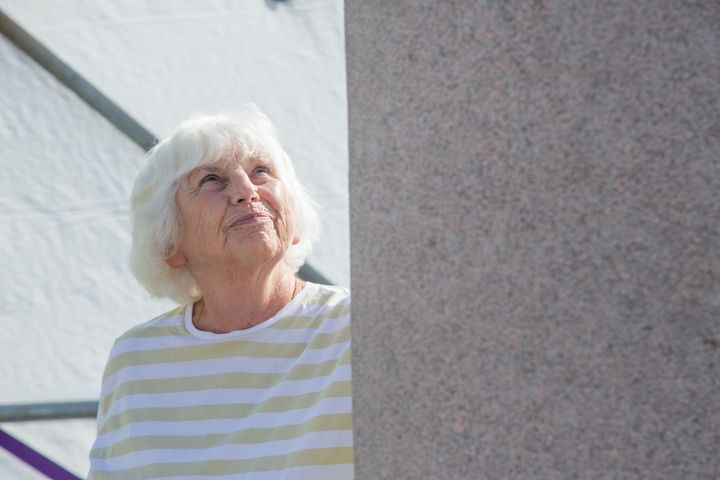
535	215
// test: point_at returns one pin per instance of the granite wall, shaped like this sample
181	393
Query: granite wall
535	230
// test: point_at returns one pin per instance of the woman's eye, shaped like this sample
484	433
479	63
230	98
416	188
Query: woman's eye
262	169
209	178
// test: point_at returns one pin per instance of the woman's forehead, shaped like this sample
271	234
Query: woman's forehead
235	158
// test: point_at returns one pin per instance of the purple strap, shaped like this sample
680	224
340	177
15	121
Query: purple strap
34	459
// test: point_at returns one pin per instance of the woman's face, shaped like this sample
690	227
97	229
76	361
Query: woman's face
233	212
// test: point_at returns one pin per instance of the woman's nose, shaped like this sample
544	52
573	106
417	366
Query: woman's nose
242	189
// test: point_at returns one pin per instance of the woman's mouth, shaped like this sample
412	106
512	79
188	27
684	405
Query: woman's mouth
250	219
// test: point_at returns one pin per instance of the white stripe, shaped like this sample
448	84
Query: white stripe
315	472
226	425
240	364
327	439
268	335
228	396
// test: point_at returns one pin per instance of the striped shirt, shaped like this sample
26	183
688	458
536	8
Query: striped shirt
269	402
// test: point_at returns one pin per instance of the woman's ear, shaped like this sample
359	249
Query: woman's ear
176	259
296	239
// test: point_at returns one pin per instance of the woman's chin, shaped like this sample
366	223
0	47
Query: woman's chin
257	245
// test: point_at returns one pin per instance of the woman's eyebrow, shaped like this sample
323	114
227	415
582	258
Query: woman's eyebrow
203	169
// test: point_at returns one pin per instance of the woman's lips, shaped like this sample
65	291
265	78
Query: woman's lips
251	219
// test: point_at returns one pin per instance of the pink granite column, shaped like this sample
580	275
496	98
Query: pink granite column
535	225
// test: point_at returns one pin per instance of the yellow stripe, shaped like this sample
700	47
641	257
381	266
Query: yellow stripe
309	457
231	411
230	348
222	380
340	421
323	298
177	330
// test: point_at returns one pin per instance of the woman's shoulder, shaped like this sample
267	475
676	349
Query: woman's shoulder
319	294
167	323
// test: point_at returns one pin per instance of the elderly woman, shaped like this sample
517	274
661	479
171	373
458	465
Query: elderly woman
250	377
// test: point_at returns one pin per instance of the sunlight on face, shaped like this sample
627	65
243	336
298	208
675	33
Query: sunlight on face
234	211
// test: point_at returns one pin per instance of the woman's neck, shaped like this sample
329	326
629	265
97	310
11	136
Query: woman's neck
244	300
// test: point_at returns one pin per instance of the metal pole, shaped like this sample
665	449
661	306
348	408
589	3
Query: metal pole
308	273
47	411
75	82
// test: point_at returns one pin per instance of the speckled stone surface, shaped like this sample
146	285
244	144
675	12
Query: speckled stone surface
535	231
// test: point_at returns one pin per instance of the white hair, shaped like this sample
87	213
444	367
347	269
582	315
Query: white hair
202	140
